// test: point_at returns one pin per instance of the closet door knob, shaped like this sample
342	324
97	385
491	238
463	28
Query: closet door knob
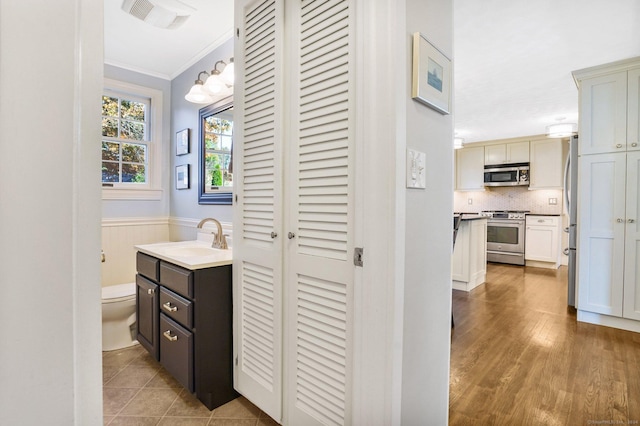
618	145
274	234
631	220
619	220
291	235
634	144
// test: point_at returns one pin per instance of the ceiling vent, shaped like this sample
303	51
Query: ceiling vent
168	14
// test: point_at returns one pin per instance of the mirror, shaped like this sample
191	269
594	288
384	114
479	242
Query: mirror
215	154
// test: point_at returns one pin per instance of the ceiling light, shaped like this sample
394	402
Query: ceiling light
167	14
197	94
561	130
458	143
217	85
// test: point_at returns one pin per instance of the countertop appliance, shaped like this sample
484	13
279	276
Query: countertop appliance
505	236
571	207
516	174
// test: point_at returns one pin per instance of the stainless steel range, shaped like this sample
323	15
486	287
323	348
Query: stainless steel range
505	236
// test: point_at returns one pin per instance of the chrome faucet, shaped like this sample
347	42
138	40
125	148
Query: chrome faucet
220	240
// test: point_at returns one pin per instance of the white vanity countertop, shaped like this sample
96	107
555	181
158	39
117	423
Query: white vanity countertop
196	254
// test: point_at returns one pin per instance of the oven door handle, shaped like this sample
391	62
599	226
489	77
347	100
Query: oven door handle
513	223
506	253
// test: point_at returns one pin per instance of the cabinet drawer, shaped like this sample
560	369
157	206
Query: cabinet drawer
542	221
176	307
177	279
176	351
148	266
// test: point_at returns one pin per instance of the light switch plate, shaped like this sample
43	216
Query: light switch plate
416	174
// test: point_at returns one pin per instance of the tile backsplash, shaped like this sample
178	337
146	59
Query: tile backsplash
509	198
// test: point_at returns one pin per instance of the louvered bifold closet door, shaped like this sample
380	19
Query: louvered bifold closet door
257	239
320	196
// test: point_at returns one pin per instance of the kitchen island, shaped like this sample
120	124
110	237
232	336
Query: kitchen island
469	263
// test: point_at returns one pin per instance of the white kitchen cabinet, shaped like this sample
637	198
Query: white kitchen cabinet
469	261
547	164
294	239
601	220
515	152
470	169
609	100
542	241
608	195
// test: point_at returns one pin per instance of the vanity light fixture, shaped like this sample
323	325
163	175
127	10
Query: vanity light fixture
218	84
561	130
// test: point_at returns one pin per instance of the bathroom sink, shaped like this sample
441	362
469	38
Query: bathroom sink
196	254
190	251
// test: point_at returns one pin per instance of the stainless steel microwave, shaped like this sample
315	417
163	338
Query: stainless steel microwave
506	174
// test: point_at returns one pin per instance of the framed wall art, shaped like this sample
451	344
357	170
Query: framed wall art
431	75
182	176
182	142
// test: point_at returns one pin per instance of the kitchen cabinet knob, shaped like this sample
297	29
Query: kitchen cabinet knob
291	235
618	145
566	251
631	220
167	307
634	144
274	234
168	336
619	220
150	291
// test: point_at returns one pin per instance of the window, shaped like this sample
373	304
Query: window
218	133
131	141
124	139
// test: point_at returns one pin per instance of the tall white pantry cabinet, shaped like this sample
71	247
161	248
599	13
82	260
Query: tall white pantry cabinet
294	211
609	195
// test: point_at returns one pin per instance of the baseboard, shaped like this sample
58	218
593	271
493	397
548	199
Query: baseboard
609	321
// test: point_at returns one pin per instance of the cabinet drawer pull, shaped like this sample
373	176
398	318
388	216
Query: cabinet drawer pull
150	291
169	337
167	307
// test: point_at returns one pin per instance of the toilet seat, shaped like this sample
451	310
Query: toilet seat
118	293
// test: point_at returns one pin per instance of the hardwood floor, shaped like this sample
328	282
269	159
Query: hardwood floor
519	357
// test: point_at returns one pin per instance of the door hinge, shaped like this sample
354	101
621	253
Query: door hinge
237	32
357	256
236	360
236	197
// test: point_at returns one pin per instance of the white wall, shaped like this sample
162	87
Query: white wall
50	80
428	227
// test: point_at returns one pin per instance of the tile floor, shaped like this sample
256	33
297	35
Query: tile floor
138	391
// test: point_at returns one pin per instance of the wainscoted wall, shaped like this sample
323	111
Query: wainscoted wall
509	198
185	229
119	236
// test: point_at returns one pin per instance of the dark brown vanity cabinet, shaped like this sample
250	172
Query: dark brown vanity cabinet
193	333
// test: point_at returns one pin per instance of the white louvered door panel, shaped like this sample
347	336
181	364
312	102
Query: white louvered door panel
257	264
320	205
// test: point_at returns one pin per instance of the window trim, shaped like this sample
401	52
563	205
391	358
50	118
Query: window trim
152	190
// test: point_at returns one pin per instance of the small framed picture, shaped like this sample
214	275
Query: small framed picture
431	75
182	176
182	142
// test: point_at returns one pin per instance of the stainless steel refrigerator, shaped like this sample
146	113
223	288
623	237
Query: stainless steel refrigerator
571	207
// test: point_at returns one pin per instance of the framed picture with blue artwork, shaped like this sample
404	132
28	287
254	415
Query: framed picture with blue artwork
431	75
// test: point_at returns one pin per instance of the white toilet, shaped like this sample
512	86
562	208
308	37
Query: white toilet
118	316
